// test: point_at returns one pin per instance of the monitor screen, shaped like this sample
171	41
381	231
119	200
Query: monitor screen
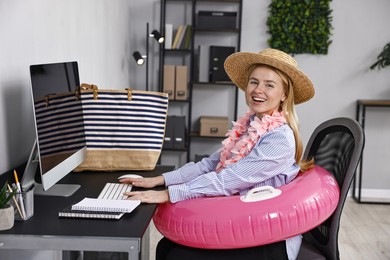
60	138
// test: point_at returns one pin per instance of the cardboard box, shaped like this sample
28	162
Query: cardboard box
213	126
169	81
181	90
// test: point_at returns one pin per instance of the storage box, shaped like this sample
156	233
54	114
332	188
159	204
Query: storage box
217	20
181	76
168	137
169	81
218	55
213	126
175	132
179	132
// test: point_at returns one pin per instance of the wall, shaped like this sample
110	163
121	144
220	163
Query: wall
342	77
101	35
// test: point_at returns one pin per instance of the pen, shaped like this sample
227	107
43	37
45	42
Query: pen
20	195
16	203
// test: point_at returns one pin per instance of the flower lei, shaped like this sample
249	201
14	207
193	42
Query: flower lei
236	146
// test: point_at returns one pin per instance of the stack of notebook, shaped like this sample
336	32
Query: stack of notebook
111	204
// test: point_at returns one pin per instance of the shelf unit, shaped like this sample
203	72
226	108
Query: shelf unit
204	98
357	186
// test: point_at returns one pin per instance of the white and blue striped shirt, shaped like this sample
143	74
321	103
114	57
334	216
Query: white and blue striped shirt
271	162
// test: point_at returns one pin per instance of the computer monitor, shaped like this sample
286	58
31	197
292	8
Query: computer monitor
60	138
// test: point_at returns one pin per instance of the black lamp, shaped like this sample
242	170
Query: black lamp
141	59
157	35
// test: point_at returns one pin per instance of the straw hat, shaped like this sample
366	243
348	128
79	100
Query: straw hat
237	67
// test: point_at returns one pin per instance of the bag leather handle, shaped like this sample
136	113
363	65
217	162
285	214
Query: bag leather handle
129	94
94	88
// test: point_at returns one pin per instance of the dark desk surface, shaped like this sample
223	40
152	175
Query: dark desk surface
46	222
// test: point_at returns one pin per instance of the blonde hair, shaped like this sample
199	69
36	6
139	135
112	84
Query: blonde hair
288	107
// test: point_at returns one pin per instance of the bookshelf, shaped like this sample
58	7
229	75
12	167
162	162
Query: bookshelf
198	27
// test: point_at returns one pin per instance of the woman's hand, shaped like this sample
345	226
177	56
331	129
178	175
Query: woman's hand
150	196
144	182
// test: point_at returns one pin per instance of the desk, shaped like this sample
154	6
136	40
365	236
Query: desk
361	106
46	231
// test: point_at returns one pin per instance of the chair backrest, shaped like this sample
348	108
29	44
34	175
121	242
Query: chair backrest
335	145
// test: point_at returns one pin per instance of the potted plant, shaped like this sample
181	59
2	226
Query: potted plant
383	59
7	215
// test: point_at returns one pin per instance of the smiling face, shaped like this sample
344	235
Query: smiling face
265	91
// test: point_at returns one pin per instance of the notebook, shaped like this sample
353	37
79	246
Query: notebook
101	207
68	212
105	205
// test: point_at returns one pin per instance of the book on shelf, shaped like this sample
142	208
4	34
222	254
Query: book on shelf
187	38
168	36
100	208
182	37
203	63
177	36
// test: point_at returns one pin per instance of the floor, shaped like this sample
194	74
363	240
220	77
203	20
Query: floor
364	232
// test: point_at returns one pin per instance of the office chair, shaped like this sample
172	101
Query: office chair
335	145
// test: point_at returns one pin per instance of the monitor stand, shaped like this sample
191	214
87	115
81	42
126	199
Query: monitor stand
61	190
28	179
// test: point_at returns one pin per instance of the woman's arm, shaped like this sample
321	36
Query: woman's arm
271	158
186	173
192	170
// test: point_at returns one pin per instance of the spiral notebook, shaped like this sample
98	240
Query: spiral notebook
68	212
110	204
99	208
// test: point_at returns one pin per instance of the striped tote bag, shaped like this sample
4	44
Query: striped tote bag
60	127
123	129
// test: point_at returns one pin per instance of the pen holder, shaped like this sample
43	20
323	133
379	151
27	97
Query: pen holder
23	204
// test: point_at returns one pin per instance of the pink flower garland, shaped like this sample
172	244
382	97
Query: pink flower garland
236	147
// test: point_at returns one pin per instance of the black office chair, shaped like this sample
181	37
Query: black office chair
335	145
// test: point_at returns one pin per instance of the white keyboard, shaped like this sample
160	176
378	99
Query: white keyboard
114	191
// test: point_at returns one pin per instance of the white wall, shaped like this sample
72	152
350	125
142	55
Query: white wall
102	34
342	76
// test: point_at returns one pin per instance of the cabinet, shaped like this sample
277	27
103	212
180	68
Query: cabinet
214	33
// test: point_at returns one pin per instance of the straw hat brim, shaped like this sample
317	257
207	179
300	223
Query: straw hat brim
237	67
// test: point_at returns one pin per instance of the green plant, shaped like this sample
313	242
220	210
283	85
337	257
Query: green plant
300	26
383	59
6	196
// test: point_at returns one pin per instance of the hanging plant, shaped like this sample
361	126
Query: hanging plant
300	26
383	59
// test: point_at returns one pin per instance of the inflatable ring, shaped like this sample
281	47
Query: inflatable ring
234	222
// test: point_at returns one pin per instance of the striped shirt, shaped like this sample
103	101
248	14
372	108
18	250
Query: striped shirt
271	162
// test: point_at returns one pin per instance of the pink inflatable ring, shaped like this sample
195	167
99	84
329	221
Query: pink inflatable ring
230	222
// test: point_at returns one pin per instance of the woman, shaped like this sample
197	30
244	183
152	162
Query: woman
263	148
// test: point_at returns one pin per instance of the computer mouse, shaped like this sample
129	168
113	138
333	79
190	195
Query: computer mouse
129	176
